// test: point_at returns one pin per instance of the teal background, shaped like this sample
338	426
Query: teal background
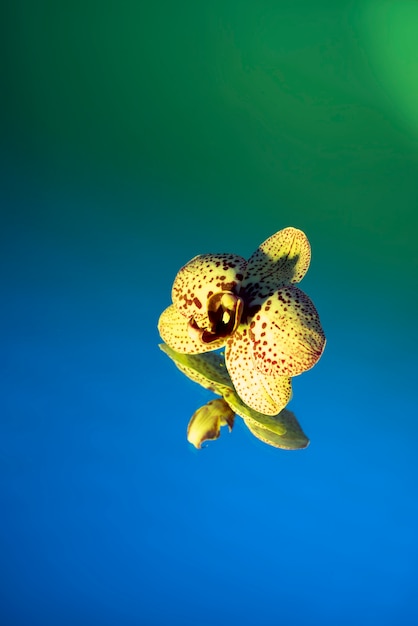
134	136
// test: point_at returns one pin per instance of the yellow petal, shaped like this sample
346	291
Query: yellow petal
175	331
201	278
291	436
282	259
206	422
263	393
286	333
279	389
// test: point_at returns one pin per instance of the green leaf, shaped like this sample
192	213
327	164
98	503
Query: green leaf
293	437
207	369
243	410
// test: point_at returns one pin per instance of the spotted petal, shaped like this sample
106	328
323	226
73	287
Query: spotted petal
282	259
287	337
175	331
263	393
202	277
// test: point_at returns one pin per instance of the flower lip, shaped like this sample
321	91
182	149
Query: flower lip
224	312
224	315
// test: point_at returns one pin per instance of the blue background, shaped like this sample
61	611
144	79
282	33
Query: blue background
135	137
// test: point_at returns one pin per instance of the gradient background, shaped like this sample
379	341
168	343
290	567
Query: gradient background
136	135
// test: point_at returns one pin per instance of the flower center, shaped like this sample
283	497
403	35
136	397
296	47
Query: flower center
224	313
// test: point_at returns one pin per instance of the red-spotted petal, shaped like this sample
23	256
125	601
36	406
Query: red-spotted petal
201	278
287	337
282	259
175	330
265	394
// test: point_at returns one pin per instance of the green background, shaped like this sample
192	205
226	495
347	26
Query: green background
236	119
136	135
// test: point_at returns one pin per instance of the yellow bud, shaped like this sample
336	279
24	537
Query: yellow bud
206	422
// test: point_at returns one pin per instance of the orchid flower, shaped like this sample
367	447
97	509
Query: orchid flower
269	328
